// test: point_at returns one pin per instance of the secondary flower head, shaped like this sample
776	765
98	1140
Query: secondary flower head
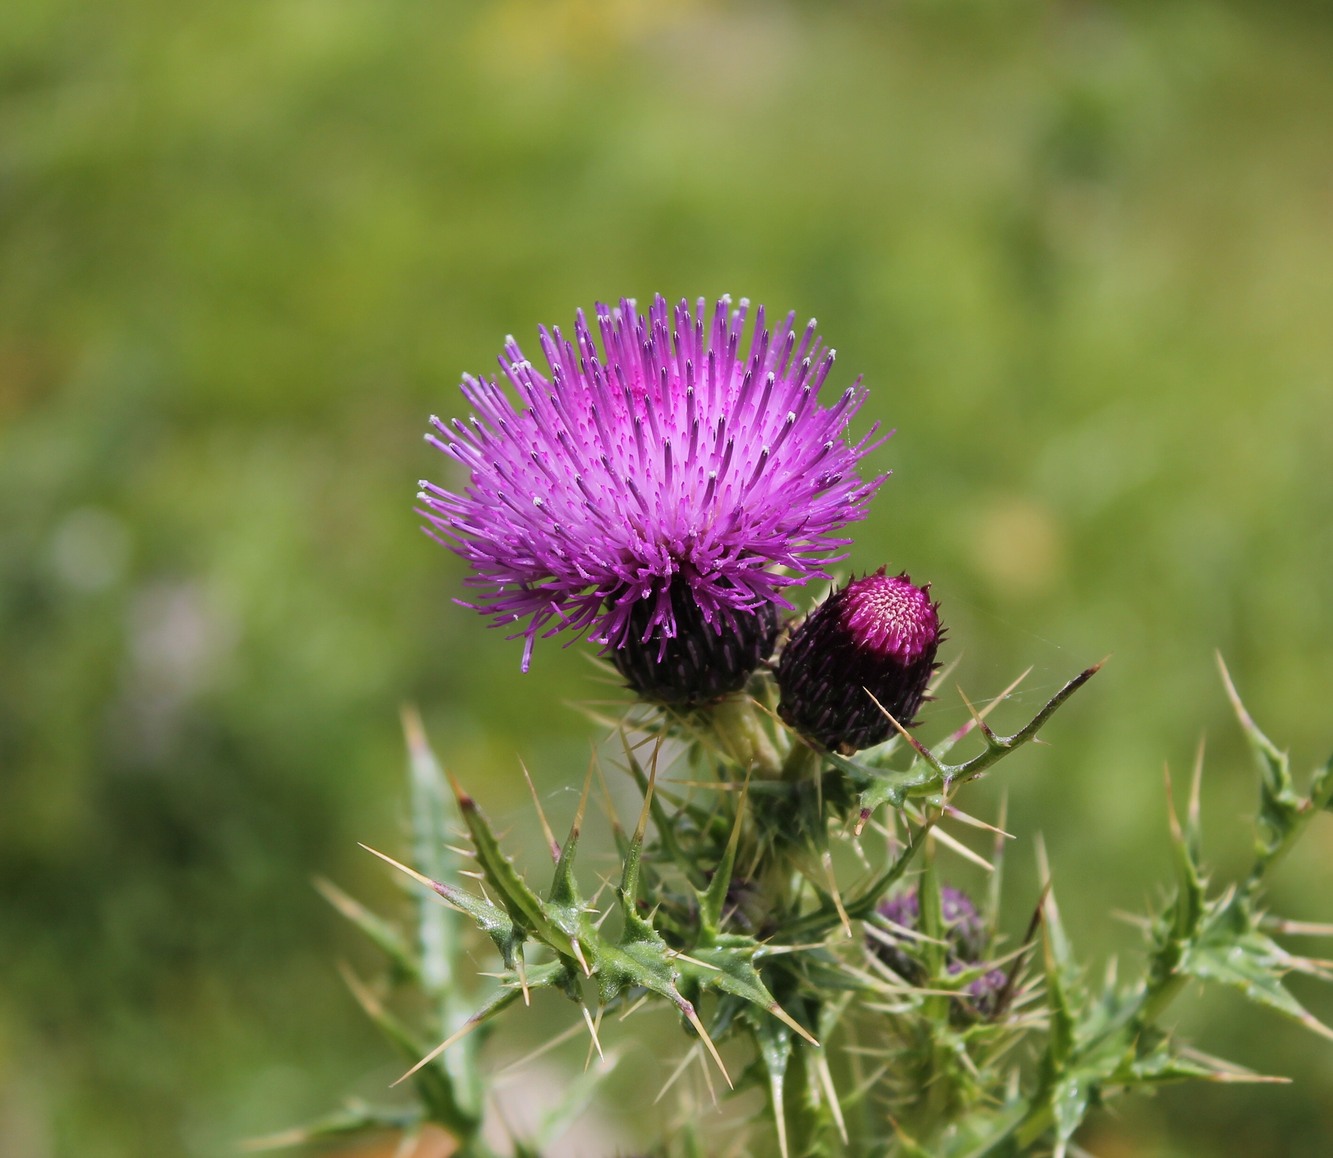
877	636
662	482
965	939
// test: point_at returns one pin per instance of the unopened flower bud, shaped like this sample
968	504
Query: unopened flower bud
877	635
964	931
965	937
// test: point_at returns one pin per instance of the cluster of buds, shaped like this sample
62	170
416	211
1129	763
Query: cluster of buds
900	946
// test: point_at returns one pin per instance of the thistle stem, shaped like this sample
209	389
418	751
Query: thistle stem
736	723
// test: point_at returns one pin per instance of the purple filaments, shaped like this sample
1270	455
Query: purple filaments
889	617
665	462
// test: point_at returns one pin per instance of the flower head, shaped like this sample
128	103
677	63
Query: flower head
877	636
665	481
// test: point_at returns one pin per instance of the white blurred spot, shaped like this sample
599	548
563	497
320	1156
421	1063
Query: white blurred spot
177	645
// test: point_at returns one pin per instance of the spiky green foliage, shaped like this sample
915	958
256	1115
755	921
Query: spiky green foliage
738	906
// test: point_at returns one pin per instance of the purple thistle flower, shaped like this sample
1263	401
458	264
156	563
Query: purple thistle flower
664	477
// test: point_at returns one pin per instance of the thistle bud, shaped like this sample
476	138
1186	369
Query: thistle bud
698	661
964	930
877	635
965	937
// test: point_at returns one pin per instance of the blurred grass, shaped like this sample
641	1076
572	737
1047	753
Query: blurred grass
1079	251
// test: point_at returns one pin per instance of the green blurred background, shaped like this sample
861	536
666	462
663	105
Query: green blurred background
1082	254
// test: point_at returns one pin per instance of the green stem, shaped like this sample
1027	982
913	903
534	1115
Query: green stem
802	762
741	734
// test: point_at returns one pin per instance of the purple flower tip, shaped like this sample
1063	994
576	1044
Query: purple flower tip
889	617
659	463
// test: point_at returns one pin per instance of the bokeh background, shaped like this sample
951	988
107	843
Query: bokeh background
1081	253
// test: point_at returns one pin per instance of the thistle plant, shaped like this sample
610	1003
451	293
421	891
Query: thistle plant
782	889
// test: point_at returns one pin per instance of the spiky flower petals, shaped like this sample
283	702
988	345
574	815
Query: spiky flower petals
876	635
667	469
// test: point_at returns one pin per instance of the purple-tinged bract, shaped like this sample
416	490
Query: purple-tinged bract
659	464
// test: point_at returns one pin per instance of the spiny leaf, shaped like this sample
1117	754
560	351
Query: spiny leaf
645	962
775	1049
380	932
1164	1067
1069	1104
711	901
552	974
565	906
1252	963
728	969
1321	785
431	820
489	918
434	1084
928	773
564	888
525	908
1188	906
1060	979
635	927
1280	805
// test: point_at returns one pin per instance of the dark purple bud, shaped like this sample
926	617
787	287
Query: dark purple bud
700	661
877	635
